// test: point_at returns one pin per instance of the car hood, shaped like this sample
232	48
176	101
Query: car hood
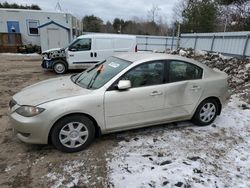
52	50
49	90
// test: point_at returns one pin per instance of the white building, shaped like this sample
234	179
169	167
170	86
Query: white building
45	29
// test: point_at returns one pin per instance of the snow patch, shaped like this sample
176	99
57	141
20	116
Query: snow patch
70	175
19	54
185	155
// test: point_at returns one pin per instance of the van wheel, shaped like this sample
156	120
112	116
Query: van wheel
60	67
206	112
73	133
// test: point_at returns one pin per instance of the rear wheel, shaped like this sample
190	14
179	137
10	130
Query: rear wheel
73	133
59	67
206	112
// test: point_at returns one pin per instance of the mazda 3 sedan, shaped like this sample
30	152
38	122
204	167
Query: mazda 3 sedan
125	91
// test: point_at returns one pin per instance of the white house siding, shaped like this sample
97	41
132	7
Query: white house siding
22	16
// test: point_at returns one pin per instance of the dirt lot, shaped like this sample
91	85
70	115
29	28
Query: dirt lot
23	165
172	155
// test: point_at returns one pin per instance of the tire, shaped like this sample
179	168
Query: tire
206	112
73	133
60	67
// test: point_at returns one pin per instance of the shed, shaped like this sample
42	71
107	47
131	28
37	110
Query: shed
53	35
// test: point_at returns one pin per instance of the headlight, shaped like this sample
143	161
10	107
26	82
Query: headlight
29	111
12	103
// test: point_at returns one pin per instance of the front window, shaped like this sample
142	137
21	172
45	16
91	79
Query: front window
101	73
33	27
83	44
146	74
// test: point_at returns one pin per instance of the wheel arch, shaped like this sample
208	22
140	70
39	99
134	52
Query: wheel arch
63	60
97	128
217	101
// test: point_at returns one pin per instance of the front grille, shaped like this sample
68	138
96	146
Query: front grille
12	103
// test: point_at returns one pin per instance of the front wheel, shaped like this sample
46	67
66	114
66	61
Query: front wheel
206	112
73	133
59	67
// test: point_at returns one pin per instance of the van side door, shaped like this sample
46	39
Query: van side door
103	48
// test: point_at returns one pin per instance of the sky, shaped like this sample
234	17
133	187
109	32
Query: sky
108	10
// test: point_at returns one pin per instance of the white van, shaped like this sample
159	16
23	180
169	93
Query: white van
87	50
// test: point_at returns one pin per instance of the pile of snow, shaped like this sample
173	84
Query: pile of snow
184	155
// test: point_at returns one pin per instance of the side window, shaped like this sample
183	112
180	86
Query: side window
33	27
179	71
81	45
146	74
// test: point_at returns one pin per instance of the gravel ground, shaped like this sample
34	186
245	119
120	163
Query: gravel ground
23	165
172	155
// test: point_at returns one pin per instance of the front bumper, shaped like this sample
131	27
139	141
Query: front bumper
30	129
47	64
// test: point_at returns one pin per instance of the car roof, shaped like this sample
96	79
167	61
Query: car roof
151	56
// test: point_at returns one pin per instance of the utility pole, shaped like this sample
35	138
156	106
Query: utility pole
58	7
178	34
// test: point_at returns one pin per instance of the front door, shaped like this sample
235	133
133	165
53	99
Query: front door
80	53
143	103
13	27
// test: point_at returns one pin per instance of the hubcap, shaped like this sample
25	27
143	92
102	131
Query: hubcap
73	134
207	112
59	68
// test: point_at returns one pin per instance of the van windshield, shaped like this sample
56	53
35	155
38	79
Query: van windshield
98	75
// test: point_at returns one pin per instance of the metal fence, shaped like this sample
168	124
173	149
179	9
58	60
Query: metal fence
228	43
160	43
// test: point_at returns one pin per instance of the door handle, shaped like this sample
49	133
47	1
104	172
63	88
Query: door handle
154	93
195	87
71	55
91	54
95	54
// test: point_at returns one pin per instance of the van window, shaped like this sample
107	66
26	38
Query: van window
103	44
122	43
81	45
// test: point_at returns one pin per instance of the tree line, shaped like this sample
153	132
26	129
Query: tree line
17	6
193	16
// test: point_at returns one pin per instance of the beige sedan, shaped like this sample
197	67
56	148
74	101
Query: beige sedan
125	91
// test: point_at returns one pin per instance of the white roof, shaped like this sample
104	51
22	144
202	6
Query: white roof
95	35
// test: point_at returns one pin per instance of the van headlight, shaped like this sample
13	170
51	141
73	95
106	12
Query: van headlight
29	111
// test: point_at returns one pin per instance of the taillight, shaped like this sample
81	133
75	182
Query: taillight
135	48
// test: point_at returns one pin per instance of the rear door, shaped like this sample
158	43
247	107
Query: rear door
184	89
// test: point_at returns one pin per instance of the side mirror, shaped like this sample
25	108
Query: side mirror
124	84
72	49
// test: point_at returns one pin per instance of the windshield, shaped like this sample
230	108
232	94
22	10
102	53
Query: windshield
101	73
